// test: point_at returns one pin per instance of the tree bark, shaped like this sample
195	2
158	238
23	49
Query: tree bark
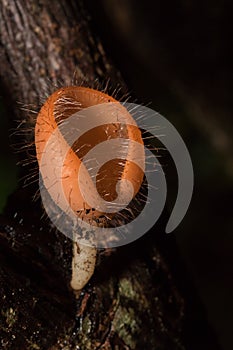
136	299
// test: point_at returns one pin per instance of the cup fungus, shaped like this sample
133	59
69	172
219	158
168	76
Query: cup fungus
61	105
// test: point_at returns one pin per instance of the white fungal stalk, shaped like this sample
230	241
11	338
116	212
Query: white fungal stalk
83	265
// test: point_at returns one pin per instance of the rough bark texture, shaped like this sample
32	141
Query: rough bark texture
47	40
136	299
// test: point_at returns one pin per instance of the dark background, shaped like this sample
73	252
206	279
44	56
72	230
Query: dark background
177	56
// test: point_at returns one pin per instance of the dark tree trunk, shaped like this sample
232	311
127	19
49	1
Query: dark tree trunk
136	299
